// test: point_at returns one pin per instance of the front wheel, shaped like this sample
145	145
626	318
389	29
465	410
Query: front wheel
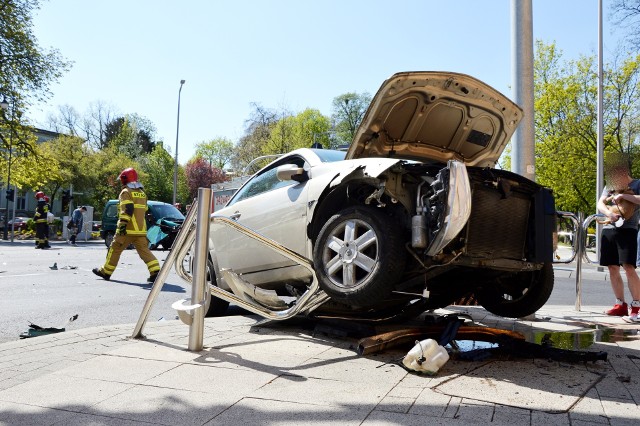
217	307
359	256
518	295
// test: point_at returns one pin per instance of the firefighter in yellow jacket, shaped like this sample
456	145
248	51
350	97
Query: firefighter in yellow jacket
131	228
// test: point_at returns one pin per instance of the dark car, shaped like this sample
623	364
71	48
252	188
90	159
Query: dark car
18	223
163	223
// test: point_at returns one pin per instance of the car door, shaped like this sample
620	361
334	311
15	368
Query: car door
276	209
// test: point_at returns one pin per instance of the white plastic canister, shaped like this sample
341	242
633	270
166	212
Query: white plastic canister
427	356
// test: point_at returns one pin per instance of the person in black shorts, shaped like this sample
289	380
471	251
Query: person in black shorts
619	238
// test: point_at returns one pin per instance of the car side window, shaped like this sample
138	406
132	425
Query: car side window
112	211
267	180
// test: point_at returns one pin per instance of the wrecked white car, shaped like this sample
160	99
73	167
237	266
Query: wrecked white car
412	217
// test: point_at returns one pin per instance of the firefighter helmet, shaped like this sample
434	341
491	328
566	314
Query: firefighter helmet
128	175
39	195
46	199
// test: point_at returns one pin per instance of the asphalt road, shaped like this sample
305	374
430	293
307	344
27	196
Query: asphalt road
33	292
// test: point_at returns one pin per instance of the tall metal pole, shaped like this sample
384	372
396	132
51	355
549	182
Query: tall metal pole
600	142
523	145
6	218
175	166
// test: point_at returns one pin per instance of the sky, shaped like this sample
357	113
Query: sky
280	54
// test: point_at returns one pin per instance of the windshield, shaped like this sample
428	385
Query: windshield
166	211
329	155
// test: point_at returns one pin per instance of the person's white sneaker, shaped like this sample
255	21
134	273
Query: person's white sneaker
634	315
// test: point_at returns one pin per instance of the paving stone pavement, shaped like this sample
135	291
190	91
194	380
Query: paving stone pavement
252	373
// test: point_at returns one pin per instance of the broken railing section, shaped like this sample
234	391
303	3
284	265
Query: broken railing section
192	310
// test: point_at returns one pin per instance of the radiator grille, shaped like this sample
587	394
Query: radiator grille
497	227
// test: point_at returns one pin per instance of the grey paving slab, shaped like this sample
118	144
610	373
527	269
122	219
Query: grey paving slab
251	411
511	416
211	379
163	406
621	412
62	392
472	411
542	418
353	369
589	409
279	351
405	392
93	420
324	392
157	350
118	369
388	418
524	384
395	404
28	415
431	404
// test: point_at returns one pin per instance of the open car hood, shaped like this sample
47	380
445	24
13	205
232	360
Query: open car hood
438	116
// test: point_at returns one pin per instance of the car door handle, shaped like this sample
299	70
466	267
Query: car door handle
235	216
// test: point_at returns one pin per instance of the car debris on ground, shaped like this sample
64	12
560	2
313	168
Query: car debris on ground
36	330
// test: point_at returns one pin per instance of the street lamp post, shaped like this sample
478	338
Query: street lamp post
5	106
175	166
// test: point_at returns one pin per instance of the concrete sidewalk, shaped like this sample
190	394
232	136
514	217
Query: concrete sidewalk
284	374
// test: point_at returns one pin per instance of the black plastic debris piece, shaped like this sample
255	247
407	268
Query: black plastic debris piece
36	330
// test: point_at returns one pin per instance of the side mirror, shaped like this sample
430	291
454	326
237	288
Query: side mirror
291	172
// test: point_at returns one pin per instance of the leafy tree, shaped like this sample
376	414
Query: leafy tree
103	169
566	121
201	175
26	70
158	184
217	151
291	132
348	111
31	166
71	154
310	126
131	135
627	15
257	133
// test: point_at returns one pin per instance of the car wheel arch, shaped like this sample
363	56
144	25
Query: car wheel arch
346	194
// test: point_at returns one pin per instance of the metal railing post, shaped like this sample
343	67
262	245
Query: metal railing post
198	295
580	246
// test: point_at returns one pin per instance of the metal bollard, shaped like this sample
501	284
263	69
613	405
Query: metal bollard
580	237
198	295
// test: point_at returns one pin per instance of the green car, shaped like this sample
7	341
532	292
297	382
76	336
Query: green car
163	223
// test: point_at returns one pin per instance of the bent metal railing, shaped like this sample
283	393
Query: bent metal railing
312	298
579	240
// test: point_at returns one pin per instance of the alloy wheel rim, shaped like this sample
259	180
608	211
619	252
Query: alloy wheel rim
351	253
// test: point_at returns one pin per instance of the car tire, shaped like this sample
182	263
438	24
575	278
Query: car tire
108	239
359	256
217	307
518	295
